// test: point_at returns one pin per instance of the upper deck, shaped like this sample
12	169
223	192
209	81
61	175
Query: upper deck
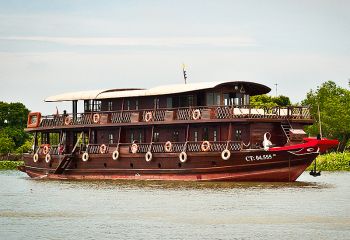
172	104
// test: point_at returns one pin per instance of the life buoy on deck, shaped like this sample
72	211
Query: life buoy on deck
183	157
226	154
115	155
134	148
103	149
148	156
35	157
85	157
46	149
205	146
47	158
196	114
67	120
96	118
148	116
168	146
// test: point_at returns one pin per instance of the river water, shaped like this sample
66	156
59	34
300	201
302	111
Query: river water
312	208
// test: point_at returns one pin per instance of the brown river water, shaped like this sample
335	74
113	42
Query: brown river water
311	208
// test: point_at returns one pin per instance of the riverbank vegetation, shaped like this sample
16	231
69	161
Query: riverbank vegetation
13	120
334	161
10	165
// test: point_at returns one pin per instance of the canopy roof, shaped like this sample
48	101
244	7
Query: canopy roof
250	87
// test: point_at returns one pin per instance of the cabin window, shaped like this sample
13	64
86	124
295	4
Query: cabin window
132	137
54	138
215	135
93	137
190	100
45	138
238	135
110	106
128	104
169	102
205	134
137	104
156	103
176	136
195	136
246	99
186	101
156	137
238	99
140	136
213	99
110	138
92	105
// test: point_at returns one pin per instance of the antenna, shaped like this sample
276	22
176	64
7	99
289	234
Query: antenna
184	72
276	84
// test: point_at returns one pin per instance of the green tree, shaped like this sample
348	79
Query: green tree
334	104
269	101
6	144
13	120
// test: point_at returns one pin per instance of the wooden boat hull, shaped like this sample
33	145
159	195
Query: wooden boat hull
250	165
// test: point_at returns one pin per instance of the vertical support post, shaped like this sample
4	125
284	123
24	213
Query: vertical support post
35	140
75	110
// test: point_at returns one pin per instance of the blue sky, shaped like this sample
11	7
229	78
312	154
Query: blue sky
50	47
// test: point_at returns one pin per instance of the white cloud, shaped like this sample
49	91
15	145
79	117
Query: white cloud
142	41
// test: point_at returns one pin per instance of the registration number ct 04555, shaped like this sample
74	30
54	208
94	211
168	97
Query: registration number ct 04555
259	157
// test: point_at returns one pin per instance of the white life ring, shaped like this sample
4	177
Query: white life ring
168	146
196	114
103	149
205	146
48	158
148	116
115	155
46	149
183	157
134	148
85	157
36	157
96	118
226	154
148	156
67	120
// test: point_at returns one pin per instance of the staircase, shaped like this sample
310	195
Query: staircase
63	164
286	129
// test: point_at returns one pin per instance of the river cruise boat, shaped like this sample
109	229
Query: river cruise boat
195	132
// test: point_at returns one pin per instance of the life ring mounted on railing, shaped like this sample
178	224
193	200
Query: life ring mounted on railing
168	146
148	116
183	157
196	114
134	148
35	157
48	158
103	149
96	118
67	120
46	149
205	146
115	155
148	156
85	157
226	154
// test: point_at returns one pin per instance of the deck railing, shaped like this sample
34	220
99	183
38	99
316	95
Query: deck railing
159	147
176	114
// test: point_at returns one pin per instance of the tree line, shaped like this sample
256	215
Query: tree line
333	102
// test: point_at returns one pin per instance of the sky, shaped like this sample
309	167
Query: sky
52	47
